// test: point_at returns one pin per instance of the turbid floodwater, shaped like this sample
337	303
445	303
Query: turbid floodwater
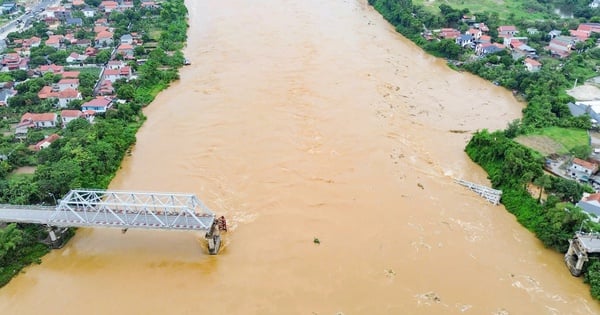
303	119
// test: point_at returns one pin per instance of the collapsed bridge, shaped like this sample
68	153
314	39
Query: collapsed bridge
122	209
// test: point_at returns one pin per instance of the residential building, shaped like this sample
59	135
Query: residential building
507	31
532	65
45	143
99	105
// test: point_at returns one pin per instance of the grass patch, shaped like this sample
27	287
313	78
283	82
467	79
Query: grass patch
95	71
554	140
515	9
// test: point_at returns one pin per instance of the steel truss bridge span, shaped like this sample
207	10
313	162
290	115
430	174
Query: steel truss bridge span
122	209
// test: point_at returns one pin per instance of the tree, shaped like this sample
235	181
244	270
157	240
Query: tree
103	56
542	182
10	239
582	151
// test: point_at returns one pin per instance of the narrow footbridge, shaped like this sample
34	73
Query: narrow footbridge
489	194
122	209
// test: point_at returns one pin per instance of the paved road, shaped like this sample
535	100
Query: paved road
26	19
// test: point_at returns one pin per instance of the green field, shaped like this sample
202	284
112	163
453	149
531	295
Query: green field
521	9
554	140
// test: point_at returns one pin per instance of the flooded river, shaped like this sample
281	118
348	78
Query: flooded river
303	119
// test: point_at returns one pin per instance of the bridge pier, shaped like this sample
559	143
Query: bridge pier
580	247
56	236
213	236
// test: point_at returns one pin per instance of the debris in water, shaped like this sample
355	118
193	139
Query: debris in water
316	241
420	185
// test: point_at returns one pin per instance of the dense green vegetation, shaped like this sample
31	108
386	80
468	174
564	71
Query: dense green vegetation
86	155
511	166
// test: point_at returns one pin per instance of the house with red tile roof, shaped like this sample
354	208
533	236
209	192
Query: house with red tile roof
52	68
108	6
46	142
111	75
48	92
561	46
449	33
78	3
54	41
76	58
66	96
507	31
34	120
68	115
532	65
104	38
32	42
580	168
69	83
125	50
476	33
106	88
99	105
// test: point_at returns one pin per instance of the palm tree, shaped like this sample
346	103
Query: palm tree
543	182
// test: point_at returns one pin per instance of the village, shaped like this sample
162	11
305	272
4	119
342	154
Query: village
81	44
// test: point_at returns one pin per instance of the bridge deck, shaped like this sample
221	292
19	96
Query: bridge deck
99	208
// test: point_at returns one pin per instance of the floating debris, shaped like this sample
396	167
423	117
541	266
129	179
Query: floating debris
420	185
316	241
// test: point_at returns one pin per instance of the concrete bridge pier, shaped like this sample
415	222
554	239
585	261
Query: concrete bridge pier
56	236
580	247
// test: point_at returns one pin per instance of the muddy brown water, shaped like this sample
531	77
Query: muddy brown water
303	119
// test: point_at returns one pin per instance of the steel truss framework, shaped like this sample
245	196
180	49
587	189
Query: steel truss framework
123	209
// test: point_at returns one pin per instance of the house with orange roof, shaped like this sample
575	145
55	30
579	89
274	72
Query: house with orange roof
91	51
43	69
106	88
125	50
582	169
68	115
111	75
76	58
46	142
64	84
66	96
449	33
54	41
48	92
32	42
78	3
108	6
476	33
104	39
561	46
99	105
532	65
507	31
34	120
